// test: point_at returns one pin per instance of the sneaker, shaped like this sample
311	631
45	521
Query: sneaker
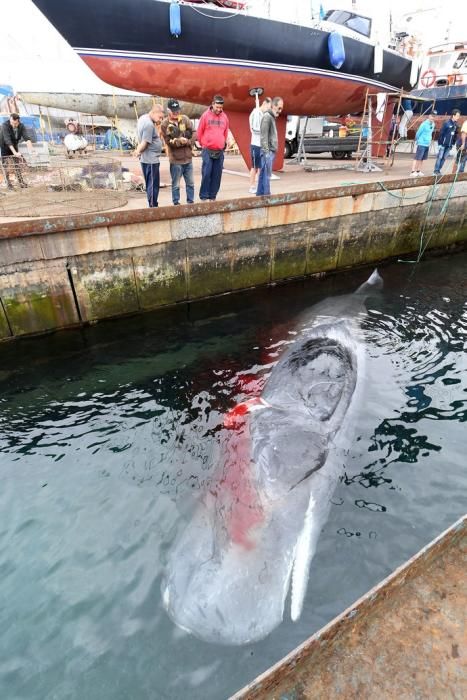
419	173
252	190
436	172
413	173
23	184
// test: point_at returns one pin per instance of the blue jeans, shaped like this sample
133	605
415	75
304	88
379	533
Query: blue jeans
265	173
152	180
211	173
176	172
443	152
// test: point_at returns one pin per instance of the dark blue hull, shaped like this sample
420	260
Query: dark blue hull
447	98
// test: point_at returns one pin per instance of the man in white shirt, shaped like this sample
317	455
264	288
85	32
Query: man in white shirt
255	148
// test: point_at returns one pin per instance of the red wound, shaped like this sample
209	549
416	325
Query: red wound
234	417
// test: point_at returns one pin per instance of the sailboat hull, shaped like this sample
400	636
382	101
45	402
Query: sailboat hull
318	94
130	45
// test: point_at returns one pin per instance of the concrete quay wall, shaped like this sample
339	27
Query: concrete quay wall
65	271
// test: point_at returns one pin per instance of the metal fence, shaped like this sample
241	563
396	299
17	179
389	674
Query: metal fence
40	184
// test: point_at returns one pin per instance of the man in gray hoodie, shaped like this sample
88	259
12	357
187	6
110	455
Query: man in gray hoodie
268	145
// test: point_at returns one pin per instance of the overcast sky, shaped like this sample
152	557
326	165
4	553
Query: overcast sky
34	57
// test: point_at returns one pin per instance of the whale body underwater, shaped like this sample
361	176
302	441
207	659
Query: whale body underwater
250	541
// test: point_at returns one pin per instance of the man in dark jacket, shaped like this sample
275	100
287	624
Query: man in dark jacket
268	145
446	140
12	132
178	134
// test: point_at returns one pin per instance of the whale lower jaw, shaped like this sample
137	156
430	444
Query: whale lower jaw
304	551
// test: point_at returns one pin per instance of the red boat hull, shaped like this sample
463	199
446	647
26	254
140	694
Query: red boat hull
302	95
180	51
305	95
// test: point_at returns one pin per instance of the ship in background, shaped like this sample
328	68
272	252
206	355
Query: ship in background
443	75
194	51
443	78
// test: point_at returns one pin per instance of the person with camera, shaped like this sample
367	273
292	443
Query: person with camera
177	131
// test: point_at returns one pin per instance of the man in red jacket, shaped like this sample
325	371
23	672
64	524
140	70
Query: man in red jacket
212	135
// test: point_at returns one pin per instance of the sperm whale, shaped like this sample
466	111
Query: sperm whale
249	543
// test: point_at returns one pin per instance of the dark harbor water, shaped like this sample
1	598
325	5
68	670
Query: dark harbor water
106	434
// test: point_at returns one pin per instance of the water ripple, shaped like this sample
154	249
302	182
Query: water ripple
104	455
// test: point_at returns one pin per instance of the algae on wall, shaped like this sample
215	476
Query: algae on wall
61	278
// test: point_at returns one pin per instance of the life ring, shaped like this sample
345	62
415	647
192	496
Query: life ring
428	78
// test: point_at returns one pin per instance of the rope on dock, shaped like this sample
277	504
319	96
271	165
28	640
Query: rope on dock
399	196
